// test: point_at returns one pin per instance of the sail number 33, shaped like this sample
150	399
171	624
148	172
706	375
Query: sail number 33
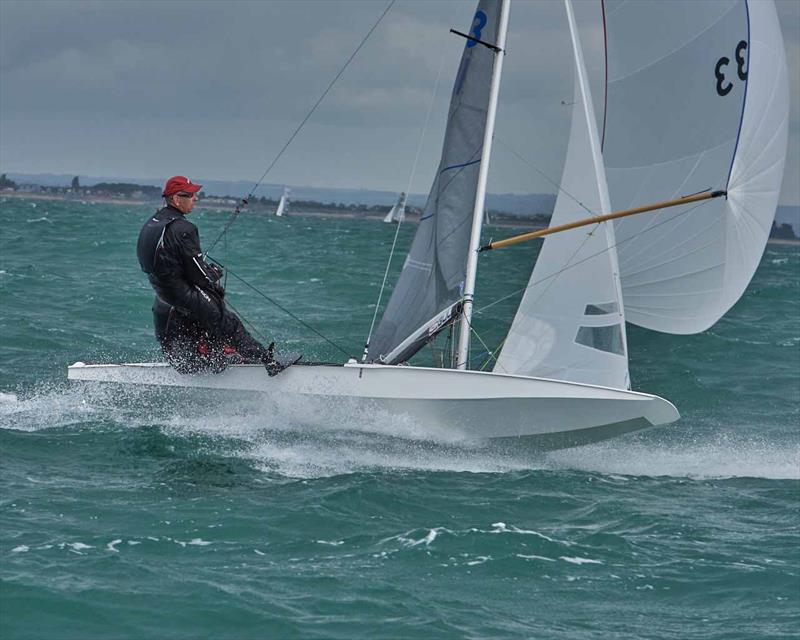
724	86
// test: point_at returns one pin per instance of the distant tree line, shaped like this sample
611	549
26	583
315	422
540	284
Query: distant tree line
5	183
125	189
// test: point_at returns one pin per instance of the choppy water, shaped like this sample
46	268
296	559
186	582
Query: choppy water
143	514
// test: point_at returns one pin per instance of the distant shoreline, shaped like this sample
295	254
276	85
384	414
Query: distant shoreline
201	204
53	196
312	214
783	241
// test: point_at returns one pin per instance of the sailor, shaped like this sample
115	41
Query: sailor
196	331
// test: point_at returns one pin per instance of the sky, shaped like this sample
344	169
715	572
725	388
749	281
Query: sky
213	90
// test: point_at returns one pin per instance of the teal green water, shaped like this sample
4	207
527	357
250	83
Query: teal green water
139	514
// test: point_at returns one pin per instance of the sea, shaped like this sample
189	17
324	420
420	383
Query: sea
138	513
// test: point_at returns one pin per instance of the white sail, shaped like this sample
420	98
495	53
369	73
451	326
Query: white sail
571	324
435	270
398	212
283	204
700	102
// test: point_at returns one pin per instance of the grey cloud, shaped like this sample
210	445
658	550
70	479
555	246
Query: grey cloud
99	87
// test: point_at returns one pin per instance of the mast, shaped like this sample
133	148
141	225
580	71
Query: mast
462	351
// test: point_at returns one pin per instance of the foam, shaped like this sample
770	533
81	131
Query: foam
407	540
533	556
501	527
579	560
299	441
59	406
75	547
718	456
304	441
307	456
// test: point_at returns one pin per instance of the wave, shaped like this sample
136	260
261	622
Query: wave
291	440
720	456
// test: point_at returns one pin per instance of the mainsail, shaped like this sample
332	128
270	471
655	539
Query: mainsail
571	323
430	286
700	102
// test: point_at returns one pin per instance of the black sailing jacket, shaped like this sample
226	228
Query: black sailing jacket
169	253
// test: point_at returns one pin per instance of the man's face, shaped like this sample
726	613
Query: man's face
184	202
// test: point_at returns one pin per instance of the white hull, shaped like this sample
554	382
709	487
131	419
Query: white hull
445	403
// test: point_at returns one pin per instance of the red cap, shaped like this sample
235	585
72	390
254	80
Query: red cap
180	183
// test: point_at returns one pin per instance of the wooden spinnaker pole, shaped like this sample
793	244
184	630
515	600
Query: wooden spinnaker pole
499	244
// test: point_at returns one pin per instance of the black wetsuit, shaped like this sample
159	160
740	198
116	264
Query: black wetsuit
193	326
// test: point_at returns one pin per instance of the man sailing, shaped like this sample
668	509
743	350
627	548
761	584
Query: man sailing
196	331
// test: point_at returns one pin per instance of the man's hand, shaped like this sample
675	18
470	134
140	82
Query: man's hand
214	272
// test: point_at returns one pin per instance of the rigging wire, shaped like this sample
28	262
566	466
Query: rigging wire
544	175
253	327
478	336
245	200
400	222
282	308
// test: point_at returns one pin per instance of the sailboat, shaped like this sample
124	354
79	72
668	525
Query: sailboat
699	107
283	204
398	212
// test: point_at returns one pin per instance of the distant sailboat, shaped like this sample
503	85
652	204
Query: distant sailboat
697	105
486	220
398	212
283	205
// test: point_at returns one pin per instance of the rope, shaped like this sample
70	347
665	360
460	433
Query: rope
282	308
400	222
244	200
253	327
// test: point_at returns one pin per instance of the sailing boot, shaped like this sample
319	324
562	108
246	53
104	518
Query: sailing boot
275	364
